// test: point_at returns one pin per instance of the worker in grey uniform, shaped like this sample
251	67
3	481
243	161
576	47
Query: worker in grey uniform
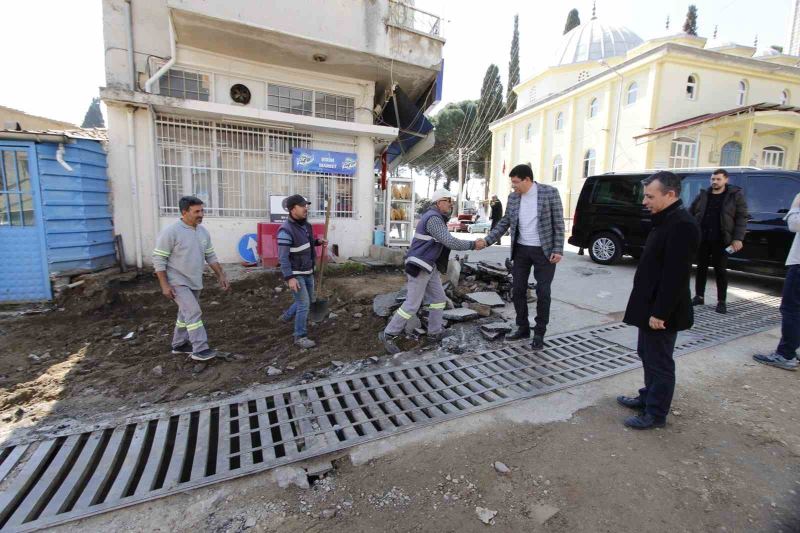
178	259
426	256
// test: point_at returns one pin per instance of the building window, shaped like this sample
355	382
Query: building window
184	84
731	154
683	153
785	97
529	132
772	157
558	168
16	199
741	95
691	87
594	107
589	163
235	168
334	107
290	100
633	93
559	121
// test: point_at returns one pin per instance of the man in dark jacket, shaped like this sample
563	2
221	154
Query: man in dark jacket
497	210
660	302
721	211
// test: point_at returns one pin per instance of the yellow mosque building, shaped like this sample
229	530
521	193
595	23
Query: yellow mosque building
612	102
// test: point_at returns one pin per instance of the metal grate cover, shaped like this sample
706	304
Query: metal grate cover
47	482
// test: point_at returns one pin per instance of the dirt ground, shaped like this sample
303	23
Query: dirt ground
729	461
75	359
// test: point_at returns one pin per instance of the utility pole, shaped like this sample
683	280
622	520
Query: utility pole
466	178
460	182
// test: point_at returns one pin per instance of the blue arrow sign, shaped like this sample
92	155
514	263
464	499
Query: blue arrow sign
248	248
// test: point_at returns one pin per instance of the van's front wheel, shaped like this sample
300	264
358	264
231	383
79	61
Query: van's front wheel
605	248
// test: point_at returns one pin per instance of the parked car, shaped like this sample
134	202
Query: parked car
461	222
480	227
610	219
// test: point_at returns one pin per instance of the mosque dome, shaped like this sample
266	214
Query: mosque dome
593	41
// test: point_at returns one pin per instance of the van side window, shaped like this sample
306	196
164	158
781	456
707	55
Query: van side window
691	187
617	192
771	194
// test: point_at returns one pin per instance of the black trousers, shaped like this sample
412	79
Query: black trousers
715	252
494	222
525	258
655	349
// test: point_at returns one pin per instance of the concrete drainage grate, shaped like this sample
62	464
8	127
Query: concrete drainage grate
52	481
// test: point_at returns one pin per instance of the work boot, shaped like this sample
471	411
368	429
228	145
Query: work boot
389	342
722	308
538	342
520	333
777	360
206	355
645	421
183	349
698	300
304	342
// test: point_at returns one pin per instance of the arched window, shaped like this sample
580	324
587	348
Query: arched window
529	131
594	107
560	121
741	94
633	93
588	163
683	153
558	168
772	157
731	154
691	87
786	97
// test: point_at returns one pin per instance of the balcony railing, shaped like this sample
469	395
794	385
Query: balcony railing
406	16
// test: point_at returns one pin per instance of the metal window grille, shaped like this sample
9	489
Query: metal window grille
185	84
334	107
235	168
290	100
16	200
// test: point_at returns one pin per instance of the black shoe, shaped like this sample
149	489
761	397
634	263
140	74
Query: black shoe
183	349
630	402
698	300
538	343
520	333
644	421
722	308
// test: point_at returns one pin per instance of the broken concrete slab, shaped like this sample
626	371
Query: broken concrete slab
453	272
503	327
460	314
492	299
485	515
290	475
385	304
481	309
490	335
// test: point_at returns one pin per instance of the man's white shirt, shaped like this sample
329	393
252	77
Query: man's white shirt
529	218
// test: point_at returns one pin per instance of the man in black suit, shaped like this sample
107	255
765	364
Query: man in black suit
660	304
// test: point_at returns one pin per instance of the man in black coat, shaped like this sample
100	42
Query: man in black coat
496	210
721	211
660	304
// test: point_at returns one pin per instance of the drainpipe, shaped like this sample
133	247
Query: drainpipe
151	124
616	118
137	224
148	85
131	61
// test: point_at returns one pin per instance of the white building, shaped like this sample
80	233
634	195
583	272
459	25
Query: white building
210	98
611	102
793	30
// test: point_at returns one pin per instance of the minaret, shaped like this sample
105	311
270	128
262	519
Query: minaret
755	42
667	25
594	10
715	32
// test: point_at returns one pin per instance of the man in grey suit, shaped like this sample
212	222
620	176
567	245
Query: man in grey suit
536	218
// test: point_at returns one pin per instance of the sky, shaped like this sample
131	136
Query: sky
53	63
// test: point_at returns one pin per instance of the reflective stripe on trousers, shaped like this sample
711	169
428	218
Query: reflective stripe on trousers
424	288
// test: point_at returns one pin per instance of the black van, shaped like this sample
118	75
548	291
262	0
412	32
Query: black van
610	219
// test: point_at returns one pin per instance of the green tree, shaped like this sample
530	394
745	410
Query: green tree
513	70
93	117
777	48
573	20
690	26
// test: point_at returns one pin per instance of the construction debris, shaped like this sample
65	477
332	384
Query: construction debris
489	298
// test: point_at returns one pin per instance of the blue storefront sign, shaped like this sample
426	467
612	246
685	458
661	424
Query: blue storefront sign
307	160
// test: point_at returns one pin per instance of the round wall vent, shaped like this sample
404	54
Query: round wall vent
240	94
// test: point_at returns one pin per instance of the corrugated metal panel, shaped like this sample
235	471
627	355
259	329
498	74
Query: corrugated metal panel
77	214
